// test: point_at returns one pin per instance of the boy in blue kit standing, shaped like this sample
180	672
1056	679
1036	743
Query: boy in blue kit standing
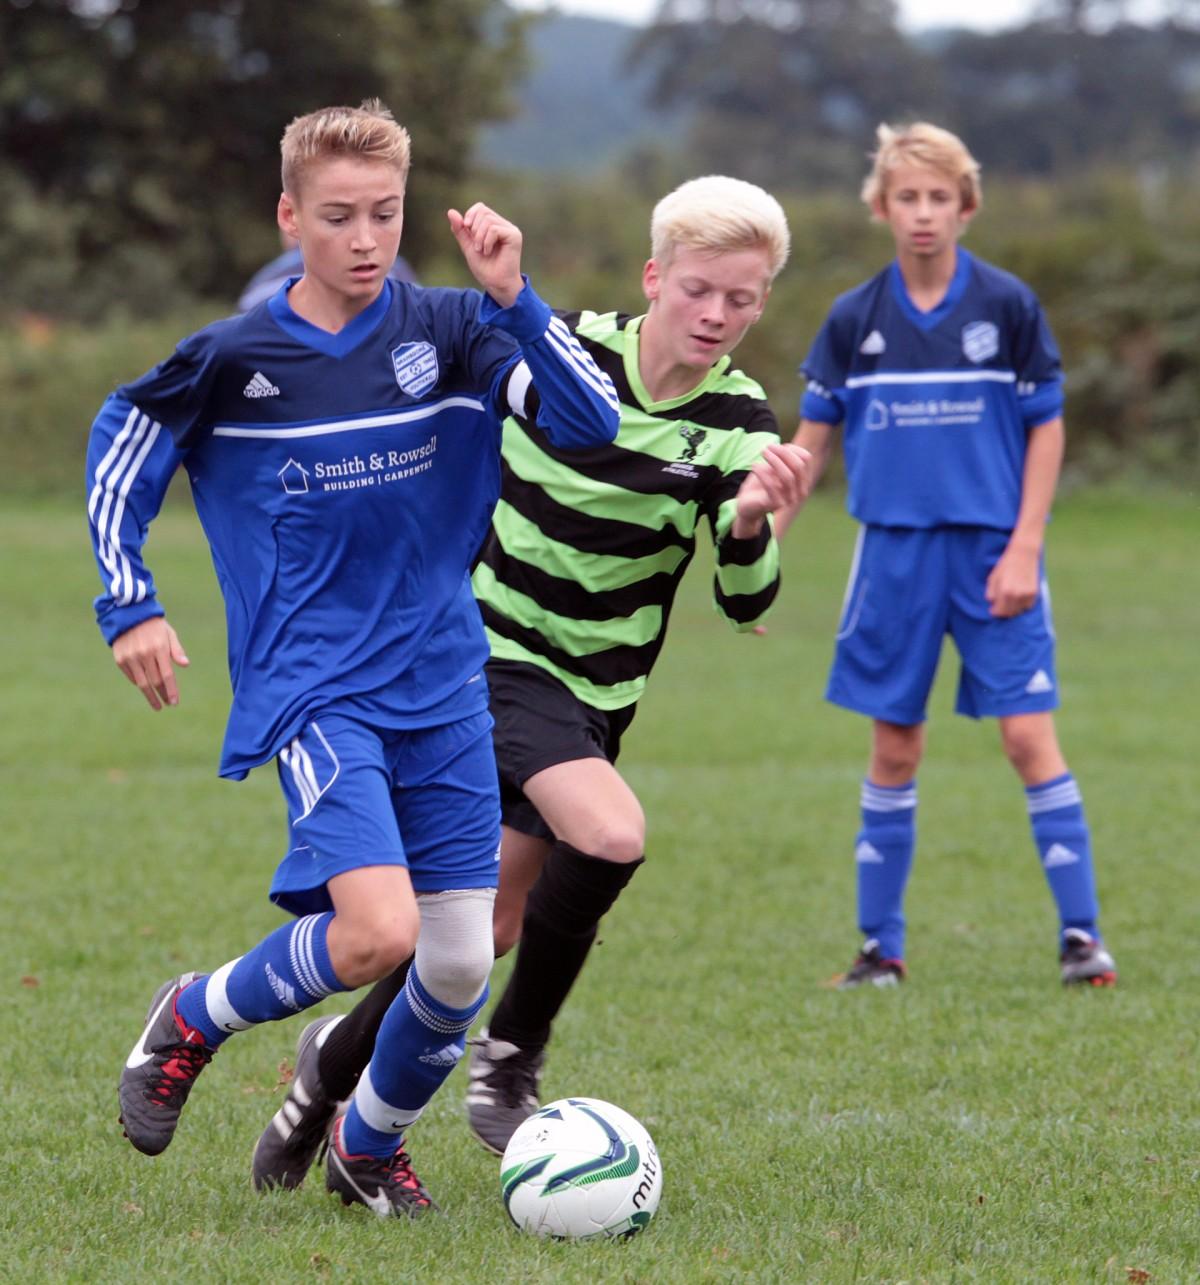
947	379
343	445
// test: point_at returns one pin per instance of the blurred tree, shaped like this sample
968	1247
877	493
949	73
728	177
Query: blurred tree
1080	15
786	90
140	140
1042	99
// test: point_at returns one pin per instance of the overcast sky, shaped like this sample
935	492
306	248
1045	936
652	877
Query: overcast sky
986	15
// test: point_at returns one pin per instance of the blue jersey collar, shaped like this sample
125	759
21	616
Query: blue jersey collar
346	340
950	301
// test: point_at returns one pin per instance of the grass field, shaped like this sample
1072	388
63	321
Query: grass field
978	1125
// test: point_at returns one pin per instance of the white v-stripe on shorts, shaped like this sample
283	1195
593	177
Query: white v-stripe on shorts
425	798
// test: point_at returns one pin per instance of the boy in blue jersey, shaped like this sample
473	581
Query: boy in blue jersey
573	646
342	440
947	379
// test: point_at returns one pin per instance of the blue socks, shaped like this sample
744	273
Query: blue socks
883	854
285	973
1064	845
418	1045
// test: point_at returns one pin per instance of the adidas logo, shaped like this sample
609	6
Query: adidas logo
260	386
447	1056
867	854
873	344
1058	854
1040	682
285	993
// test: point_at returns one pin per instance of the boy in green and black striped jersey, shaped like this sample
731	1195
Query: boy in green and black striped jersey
575	583
586	550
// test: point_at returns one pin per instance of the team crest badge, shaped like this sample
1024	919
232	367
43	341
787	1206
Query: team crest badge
416	367
694	437
980	340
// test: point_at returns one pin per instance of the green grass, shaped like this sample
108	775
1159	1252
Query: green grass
978	1125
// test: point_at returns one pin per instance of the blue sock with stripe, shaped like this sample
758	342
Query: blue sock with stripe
418	1045
1064	845
285	973
883	856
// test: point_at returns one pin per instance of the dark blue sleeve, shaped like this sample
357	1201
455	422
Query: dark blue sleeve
825	369
176	391
553	379
1037	364
137	442
130	461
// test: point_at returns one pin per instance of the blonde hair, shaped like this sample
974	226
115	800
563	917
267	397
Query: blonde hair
368	133
929	147
718	214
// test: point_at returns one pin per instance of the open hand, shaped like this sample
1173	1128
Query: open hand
781	478
147	655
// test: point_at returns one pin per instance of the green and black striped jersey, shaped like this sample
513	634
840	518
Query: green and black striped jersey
587	548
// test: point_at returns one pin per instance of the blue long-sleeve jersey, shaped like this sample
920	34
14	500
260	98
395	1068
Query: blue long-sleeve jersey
345	483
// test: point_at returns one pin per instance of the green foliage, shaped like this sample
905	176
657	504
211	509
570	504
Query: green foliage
782	90
1114	260
139	143
979	1125
52	381
581	105
1116	263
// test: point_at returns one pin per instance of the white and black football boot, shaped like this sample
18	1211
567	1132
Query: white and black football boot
503	1089
300	1128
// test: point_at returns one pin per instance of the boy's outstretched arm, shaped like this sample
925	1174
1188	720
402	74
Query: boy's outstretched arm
1015	581
817	439
557	384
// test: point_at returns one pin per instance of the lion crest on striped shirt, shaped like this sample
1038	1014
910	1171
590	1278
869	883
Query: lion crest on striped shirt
694	437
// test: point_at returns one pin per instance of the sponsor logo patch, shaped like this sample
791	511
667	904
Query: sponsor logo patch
877	415
294	477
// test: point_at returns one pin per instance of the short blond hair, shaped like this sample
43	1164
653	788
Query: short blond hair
369	132
717	214
931	148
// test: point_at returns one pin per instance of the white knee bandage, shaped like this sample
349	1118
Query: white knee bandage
454	948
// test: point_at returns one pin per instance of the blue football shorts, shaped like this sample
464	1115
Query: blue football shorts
908	588
425	798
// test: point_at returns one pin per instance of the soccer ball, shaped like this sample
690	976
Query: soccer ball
580	1167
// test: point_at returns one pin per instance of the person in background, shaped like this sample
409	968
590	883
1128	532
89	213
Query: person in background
948	382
